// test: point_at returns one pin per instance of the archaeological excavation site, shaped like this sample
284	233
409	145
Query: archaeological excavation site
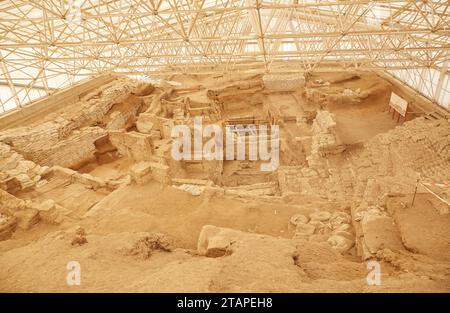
225	146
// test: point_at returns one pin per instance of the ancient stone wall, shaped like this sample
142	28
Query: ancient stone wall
123	115
55	141
73	151
325	95
322	181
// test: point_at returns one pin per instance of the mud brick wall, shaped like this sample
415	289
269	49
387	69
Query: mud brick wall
324	139
418	147
90	110
123	115
391	164
332	183
397	158
73	151
55	141
137	146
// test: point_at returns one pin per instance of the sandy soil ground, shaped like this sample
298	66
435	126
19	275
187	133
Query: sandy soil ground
36	260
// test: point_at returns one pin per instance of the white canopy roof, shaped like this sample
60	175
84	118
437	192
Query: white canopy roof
46	45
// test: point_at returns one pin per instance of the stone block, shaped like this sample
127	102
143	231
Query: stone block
141	172
380	232
214	242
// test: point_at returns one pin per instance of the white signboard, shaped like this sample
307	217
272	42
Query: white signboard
398	104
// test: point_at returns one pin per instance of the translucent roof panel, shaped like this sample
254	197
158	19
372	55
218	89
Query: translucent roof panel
46	45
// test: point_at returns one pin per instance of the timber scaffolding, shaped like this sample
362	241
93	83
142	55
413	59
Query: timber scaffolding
407	39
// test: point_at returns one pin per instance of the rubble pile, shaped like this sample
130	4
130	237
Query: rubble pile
145	246
16	173
325	95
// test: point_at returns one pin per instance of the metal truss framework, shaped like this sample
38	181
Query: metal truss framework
46	45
